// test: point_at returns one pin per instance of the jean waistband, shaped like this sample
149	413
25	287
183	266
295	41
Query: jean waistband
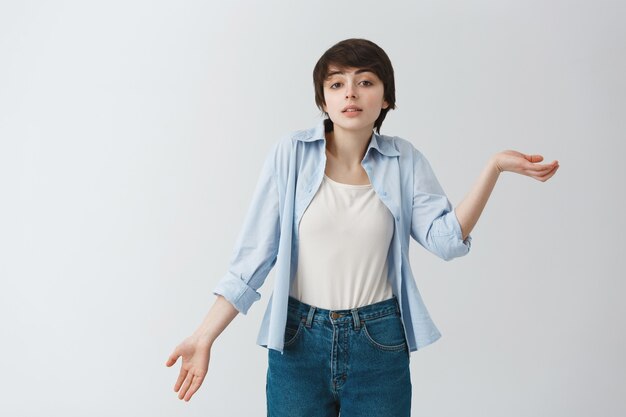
371	311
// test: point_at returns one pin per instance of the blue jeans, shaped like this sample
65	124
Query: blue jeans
354	361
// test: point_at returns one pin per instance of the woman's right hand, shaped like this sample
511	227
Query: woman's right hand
195	364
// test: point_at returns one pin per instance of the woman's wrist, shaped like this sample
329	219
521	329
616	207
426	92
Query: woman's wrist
494	165
203	338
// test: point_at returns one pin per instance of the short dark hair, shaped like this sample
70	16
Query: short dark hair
356	53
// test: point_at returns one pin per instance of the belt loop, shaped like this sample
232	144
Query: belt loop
309	318
355	317
397	304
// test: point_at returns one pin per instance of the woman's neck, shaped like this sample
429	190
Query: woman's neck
348	147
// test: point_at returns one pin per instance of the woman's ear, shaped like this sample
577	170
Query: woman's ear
385	104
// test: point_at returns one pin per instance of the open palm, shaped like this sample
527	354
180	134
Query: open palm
194	366
525	164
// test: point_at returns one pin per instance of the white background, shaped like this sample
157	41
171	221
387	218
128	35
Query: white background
132	134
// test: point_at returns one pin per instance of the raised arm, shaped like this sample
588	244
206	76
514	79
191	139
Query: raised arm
469	210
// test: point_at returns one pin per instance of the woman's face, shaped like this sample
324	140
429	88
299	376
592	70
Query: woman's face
357	89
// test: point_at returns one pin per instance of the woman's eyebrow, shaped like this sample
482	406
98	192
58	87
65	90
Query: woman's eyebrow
359	71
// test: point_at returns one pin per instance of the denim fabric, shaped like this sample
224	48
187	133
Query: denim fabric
291	175
354	361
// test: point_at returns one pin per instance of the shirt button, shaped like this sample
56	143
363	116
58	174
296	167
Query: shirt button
384	194
398	218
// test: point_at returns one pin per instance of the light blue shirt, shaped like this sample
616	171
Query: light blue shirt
291	175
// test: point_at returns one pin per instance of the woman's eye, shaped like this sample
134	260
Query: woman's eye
338	84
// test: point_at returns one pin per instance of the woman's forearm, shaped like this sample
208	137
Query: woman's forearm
217	319
469	210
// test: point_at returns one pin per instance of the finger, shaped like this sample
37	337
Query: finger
544	170
533	168
197	381
185	386
551	173
534	172
172	359
534	158
181	377
549	165
548	175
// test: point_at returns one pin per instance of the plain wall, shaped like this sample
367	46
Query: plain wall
131	137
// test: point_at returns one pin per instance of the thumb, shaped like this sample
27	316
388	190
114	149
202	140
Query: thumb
534	158
172	359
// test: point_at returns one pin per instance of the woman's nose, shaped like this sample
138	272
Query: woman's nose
350	91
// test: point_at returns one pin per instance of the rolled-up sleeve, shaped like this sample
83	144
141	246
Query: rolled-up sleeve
434	224
256	247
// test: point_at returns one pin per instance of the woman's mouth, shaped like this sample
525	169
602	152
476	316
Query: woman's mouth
352	112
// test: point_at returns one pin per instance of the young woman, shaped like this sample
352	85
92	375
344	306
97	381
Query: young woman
333	210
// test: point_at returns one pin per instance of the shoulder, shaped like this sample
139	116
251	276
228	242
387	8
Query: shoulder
283	149
295	141
290	139
407	149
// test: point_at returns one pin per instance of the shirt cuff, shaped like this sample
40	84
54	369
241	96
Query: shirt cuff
237	292
458	232
447	236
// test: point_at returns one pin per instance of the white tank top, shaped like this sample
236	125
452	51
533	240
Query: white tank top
344	239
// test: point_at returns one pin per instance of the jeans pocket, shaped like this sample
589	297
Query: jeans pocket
293	328
385	333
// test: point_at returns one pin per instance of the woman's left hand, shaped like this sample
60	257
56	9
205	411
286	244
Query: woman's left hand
524	164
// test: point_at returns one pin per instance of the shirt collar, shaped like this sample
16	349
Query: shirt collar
382	145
